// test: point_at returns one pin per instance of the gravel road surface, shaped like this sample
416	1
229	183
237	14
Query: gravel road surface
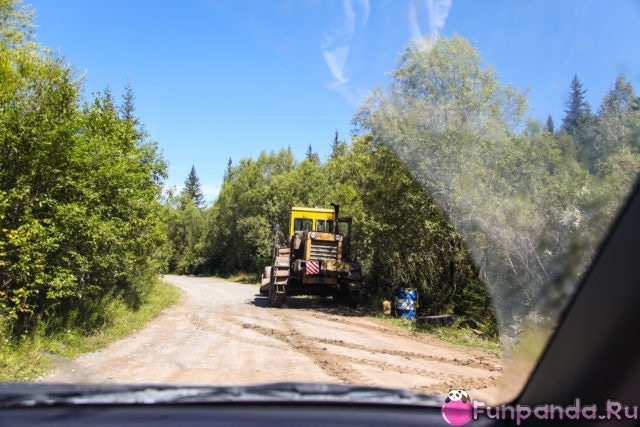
224	333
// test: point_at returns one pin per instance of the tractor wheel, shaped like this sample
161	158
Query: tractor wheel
349	297
272	295
275	299
265	281
353	299
281	301
279	280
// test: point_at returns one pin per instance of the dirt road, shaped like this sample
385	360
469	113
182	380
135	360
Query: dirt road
224	333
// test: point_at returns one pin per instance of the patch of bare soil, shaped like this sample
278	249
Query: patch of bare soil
224	333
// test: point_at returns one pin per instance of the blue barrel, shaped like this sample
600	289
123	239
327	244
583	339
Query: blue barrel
406	302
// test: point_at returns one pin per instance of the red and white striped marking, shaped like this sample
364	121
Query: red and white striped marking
313	267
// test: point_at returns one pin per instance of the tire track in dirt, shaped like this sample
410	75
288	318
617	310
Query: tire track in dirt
343	367
203	324
446	382
334	365
476	358
471	362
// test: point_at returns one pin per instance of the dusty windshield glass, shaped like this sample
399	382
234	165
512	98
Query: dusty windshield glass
473	156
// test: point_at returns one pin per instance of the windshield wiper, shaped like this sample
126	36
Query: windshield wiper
17	395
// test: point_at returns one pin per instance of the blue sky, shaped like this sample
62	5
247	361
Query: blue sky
222	79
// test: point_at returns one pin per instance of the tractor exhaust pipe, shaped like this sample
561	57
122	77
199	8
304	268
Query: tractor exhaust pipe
336	209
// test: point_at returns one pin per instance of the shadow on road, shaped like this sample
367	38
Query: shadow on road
324	305
259	301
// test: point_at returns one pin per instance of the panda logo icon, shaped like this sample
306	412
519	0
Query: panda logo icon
456	395
457	409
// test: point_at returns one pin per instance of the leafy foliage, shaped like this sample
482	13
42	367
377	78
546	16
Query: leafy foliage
79	185
532	205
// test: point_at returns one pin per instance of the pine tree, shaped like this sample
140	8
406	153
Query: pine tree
311	156
579	123
193	189
227	172
550	127
127	109
337	147
578	114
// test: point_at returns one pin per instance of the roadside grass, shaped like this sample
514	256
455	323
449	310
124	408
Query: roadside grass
531	343
244	278
30	357
454	334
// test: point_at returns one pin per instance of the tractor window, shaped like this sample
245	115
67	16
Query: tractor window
302	224
344	229
324	225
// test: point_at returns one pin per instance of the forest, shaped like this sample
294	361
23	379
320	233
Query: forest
453	189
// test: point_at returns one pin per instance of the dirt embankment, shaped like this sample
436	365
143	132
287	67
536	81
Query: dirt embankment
223	333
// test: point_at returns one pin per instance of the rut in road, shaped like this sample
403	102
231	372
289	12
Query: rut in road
344	360
335	366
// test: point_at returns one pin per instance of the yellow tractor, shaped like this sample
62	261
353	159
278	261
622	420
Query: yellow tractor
314	259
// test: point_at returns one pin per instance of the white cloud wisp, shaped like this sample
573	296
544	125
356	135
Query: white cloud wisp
438	11
336	43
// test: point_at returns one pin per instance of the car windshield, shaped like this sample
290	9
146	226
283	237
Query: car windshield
473	154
